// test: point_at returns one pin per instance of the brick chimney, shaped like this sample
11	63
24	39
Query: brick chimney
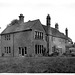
56	26
21	18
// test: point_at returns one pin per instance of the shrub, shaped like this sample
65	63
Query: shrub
54	54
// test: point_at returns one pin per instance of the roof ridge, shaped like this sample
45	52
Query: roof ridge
22	26
55	32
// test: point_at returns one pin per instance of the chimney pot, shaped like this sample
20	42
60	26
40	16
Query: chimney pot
56	26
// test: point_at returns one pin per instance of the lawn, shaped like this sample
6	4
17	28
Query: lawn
37	64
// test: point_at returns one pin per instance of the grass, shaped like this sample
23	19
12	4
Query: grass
37	64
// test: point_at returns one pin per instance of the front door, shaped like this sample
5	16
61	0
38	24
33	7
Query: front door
22	52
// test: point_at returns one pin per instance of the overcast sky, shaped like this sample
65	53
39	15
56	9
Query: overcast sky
61	12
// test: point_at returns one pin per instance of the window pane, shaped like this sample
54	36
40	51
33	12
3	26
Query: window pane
40	49
25	50
5	37
9	36
38	35
35	34
19	50
42	35
5	49
35	49
9	49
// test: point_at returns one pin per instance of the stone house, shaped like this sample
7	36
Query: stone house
32	38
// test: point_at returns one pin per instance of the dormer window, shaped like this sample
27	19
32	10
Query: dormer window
38	35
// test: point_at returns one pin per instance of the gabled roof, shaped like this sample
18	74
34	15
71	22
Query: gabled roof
29	25
55	32
20	27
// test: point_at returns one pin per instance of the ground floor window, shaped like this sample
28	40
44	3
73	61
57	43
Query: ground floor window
7	49
38	49
25	49
59	50
22	50
19	50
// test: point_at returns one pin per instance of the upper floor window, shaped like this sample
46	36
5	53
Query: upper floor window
38	35
7	37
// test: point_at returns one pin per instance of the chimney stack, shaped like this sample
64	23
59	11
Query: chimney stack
48	20
21	18
48	23
66	32
56	26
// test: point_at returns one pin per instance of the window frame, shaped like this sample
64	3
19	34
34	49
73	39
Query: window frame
38	34
25	50
7	36
9	49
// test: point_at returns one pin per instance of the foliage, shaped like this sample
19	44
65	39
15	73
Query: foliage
13	22
45	52
54	54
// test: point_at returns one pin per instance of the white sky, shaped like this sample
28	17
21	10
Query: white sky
61	12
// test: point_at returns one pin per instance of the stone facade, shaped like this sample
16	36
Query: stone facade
31	39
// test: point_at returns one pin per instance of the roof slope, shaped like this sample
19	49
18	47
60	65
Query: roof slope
28	25
20	27
55	32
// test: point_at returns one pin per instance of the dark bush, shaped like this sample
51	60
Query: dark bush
2	54
54	54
